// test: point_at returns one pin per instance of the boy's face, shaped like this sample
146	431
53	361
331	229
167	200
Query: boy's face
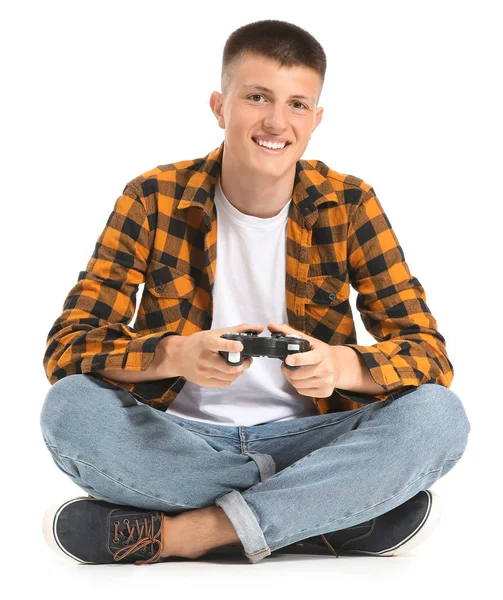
247	113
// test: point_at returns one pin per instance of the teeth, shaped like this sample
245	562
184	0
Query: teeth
274	146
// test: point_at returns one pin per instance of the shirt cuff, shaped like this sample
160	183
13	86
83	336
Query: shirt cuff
380	366
136	356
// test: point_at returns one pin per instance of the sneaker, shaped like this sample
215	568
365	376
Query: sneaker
93	531
390	534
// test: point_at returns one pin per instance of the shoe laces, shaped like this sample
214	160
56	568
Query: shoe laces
145	537
327	543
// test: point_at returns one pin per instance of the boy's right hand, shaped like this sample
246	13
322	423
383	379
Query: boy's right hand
198	359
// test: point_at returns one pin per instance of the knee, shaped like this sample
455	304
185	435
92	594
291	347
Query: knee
61	401
443	418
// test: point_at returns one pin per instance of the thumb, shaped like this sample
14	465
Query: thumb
284	327
246	326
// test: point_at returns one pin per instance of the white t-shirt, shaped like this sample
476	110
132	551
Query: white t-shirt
249	287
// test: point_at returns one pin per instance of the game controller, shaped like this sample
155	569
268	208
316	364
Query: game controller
275	346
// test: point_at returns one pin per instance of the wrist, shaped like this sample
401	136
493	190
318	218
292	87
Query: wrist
166	356
344	366
352	373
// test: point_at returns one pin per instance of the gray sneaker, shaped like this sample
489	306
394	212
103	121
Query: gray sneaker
93	531
390	534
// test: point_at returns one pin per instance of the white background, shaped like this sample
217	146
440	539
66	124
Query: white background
96	93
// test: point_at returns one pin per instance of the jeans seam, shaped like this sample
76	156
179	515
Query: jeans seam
199	432
169	504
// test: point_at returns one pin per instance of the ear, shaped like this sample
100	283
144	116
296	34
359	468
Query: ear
216	106
319	116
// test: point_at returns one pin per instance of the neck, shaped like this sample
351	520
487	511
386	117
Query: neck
252	193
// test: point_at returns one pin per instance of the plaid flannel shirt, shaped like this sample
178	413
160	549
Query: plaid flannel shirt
162	233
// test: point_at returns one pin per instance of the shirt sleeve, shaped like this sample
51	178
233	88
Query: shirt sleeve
409	351
92	332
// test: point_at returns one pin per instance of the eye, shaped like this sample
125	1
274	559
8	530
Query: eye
261	96
255	96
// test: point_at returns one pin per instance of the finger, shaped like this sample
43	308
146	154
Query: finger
308	381
298	374
215	374
309	391
219	344
301	359
218	362
219	368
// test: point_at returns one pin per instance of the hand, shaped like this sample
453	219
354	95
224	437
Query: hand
320	367
199	361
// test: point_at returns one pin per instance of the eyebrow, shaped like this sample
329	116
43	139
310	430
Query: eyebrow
264	89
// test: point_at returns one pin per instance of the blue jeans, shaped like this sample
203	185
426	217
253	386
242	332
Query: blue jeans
278	483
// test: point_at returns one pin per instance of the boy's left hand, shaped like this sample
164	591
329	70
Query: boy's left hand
320	367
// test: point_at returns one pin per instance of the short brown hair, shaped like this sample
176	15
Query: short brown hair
287	44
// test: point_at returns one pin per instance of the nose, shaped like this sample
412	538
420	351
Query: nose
275	120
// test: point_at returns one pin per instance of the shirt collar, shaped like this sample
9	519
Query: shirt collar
311	187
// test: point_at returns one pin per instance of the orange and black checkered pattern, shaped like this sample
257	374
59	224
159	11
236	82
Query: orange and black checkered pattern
162	233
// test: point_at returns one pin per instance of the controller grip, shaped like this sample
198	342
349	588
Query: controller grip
232	358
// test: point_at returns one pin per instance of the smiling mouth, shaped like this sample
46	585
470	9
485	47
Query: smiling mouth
272	149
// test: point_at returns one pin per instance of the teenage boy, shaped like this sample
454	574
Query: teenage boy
336	455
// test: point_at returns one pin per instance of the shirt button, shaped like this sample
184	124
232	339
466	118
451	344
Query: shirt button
332	296
158	288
